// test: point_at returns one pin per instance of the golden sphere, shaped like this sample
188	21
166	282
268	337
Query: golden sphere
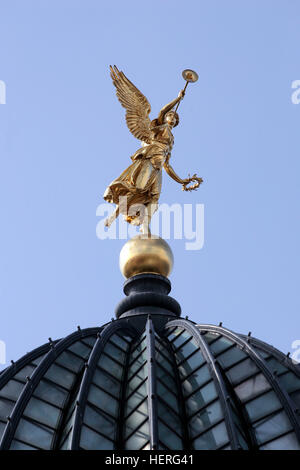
144	254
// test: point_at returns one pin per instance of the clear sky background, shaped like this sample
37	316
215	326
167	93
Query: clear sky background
63	138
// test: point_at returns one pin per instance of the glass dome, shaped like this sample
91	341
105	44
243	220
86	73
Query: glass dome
151	380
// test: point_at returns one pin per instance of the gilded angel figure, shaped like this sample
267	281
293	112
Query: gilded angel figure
136	191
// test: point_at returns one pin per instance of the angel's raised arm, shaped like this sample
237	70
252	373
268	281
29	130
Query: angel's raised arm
173	174
168	107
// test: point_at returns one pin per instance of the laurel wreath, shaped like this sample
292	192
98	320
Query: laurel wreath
197	180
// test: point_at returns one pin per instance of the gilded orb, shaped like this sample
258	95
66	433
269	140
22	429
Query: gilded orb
144	254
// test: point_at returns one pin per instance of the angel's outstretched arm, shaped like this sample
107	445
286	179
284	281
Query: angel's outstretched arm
185	181
174	175
168	108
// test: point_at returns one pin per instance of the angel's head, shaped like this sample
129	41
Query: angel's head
171	118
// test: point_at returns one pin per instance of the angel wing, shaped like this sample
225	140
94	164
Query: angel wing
136	104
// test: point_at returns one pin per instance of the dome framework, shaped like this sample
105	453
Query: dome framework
151	380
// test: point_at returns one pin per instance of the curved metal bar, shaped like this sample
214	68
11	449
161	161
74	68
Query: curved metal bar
12	370
56	443
89	373
245	422
282	358
151	384
38	373
216	376
287	404
183	414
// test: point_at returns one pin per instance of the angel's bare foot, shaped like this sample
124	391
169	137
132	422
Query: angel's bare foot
108	222
112	217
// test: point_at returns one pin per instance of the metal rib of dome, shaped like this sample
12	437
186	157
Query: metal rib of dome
151	380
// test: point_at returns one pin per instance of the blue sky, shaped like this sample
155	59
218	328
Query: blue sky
63	138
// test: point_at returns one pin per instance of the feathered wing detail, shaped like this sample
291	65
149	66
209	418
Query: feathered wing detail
136	104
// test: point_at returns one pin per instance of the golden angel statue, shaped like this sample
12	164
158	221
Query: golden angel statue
136	191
